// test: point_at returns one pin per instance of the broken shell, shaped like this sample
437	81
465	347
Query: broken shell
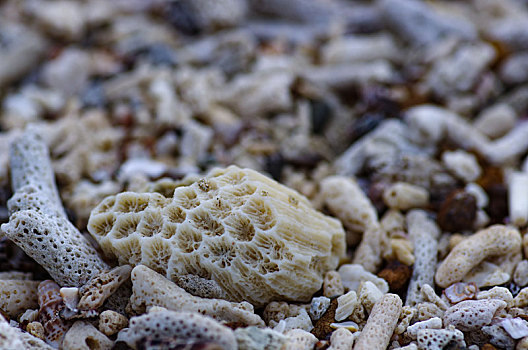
517	328
461	291
51	305
70	296
350	325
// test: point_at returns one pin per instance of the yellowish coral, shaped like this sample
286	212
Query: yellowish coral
259	240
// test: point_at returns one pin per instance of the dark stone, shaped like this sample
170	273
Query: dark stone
365	124
181	15
322	326
274	165
321	115
457	212
498	203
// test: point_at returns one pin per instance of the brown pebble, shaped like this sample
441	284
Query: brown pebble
491	176
322	345
498	203
396	274
488	347
322	326
457	212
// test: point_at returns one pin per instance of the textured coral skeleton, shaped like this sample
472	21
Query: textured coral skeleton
263	174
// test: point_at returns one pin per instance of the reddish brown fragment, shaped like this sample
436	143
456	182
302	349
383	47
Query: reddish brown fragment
457	212
396	274
322	326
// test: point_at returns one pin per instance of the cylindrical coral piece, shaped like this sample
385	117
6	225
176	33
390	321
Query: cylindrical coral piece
381	324
497	241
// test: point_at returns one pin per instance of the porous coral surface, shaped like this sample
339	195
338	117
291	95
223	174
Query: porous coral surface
264	174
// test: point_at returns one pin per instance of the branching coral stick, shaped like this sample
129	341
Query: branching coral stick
38	223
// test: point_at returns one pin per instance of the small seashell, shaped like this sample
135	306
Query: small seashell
70	296
350	325
51	305
461	291
517	328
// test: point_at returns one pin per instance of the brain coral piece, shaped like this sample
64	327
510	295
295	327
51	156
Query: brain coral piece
152	289
497	241
257	239
188	327
17	296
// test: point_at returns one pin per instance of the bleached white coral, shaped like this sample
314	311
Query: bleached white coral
256	238
16	296
190	327
38	223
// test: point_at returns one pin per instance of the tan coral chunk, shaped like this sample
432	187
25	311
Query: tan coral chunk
332	285
342	339
111	322
369	253
497	241
346	200
152	289
257	239
160	323
276	311
83	336
299	340
381	324
16	296
405	196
